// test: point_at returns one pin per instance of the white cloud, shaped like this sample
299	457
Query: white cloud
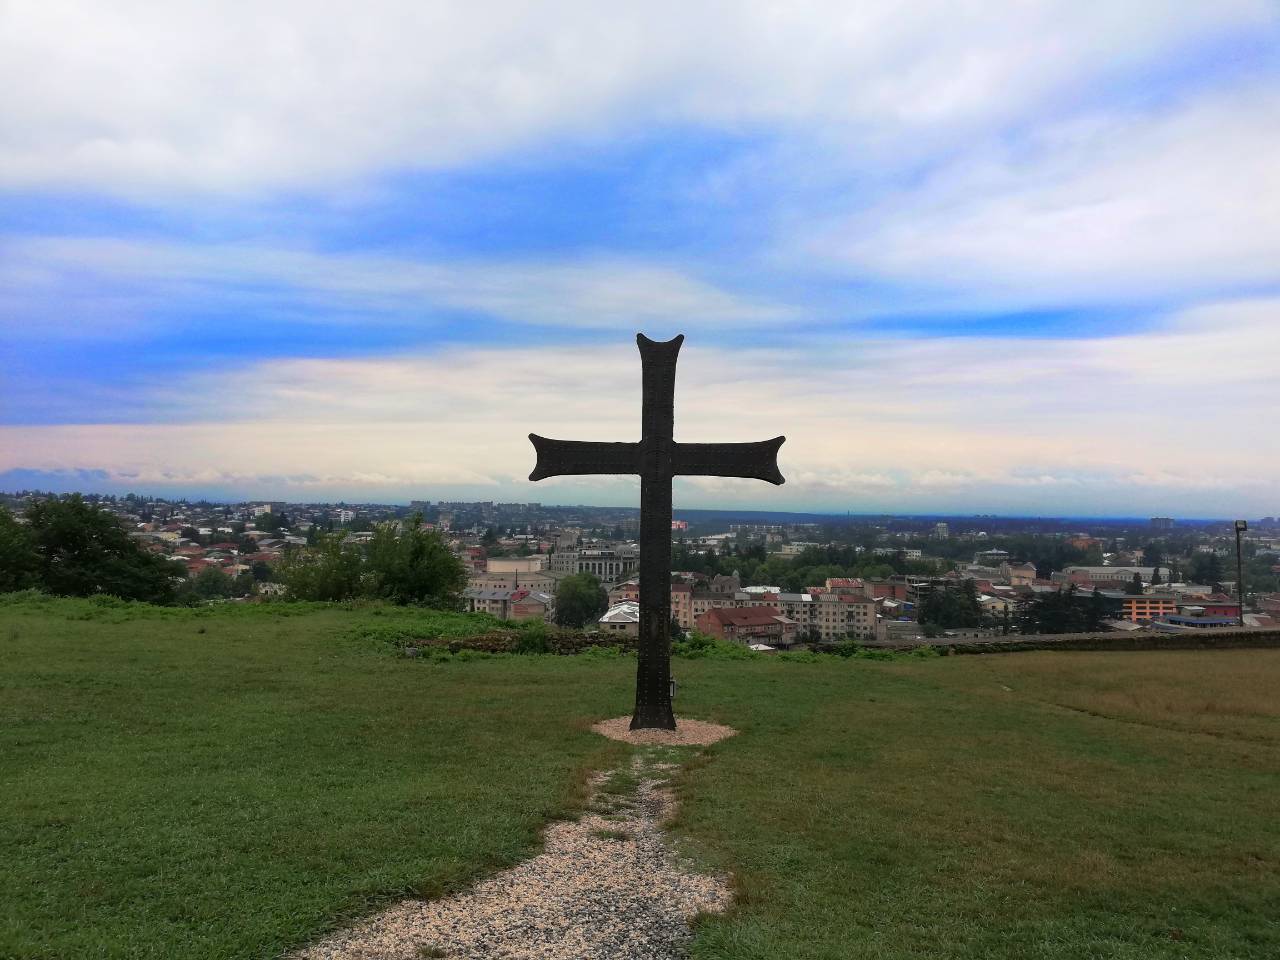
997	424
133	95
1181	201
592	293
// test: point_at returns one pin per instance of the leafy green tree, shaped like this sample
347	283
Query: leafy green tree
328	571
18	559
1206	568
579	600
949	608
1065	612
414	565
212	583
1100	609
1135	588
81	551
271	521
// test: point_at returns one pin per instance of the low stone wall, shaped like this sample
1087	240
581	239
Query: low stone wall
565	642
1217	639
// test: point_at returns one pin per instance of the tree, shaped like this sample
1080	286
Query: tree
1135	588
328	571
579	600
414	565
1155	577
948	608
271	521
1206	568
1065	612
212	583
18	559
81	551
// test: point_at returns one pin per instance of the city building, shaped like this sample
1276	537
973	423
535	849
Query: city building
517	564
533	605
1183	622
495	602
609	564
1018	574
622	618
626	590
1213	606
838	616
725	583
700	601
682	605
749	625
539	580
1147	607
1116	575
990	558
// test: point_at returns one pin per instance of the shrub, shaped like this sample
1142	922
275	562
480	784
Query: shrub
799	656
531	637
597	652
699	646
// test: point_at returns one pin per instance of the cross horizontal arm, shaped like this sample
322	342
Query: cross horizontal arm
758	461
558	458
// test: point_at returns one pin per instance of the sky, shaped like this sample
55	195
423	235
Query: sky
1015	258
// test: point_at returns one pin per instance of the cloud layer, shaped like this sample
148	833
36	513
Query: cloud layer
996	257
242	94
1001	424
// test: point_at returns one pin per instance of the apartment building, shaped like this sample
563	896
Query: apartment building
837	616
749	625
1147	607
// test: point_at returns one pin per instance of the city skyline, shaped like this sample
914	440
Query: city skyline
1016	261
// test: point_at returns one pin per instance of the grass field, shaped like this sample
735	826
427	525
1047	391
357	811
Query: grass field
231	782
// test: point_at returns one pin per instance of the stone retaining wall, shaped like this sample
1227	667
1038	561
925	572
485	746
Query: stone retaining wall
1217	639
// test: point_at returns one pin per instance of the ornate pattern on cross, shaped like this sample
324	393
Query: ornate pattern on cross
656	458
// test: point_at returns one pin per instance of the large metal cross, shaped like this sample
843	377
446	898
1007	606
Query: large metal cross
656	458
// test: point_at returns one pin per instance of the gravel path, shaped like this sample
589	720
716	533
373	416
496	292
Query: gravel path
686	734
605	888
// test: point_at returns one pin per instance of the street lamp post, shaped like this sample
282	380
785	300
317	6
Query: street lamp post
1241	527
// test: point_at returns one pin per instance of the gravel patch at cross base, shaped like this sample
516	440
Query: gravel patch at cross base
606	887
688	733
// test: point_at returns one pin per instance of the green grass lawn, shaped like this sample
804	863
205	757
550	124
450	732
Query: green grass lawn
232	782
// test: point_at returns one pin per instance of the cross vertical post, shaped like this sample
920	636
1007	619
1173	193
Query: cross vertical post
656	458
653	667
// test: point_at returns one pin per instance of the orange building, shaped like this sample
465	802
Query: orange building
1140	608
